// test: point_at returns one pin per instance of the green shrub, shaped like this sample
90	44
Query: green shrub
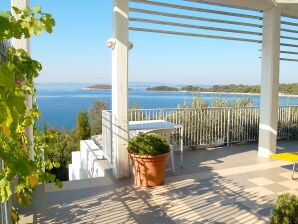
95	116
83	128
286	210
58	145
148	144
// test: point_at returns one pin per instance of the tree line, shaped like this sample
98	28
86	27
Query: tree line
231	88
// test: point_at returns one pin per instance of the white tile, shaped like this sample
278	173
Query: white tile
261	181
291	184
259	191
286	174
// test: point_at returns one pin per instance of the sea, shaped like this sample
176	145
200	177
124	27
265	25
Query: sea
59	107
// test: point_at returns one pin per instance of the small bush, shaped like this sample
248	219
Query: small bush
83	127
95	116
286	210
148	144
61	173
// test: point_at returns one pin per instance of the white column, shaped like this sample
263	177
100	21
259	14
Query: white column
269	82
120	46
24	44
21	43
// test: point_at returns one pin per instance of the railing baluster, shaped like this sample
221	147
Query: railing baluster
203	126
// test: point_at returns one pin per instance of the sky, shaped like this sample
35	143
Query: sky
76	50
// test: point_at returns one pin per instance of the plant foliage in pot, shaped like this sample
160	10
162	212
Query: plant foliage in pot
148	155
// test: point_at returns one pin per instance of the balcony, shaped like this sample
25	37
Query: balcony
230	185
219	185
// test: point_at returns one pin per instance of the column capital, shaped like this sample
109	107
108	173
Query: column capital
111	43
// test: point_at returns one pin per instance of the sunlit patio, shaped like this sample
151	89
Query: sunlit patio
237	184
221	185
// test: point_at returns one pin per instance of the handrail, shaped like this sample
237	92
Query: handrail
213	126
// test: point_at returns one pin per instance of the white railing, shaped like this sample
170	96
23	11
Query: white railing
209	126
107	134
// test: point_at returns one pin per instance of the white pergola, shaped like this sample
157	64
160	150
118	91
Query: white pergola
271	42
270	29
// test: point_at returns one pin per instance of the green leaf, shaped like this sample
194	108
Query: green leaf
37	9
58	184
23	195
5	190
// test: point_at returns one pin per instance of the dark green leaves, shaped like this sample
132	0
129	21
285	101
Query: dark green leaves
148	144
286	209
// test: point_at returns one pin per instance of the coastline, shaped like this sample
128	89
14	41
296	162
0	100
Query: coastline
93	89
195	92
97	89
228	93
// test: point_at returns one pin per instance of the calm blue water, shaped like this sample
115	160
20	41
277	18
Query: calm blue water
59	108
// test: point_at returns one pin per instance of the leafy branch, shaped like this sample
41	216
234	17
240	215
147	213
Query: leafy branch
25	23
20	175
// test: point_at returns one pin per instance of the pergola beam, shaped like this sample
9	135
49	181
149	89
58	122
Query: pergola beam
193	26
287	9
257	5
289	38
289	52
197	9
289	59
217	3
150	12
289	23
194	34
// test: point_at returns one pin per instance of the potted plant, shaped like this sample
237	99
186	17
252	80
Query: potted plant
148	154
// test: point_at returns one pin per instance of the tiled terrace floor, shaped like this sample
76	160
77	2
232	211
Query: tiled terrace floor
225	185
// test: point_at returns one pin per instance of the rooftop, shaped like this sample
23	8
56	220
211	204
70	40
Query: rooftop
222	185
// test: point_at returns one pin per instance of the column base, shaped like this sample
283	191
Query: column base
264	152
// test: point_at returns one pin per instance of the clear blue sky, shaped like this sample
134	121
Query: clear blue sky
76	51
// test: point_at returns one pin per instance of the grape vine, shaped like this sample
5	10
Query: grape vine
20	175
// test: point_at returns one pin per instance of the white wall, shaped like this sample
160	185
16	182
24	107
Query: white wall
89	162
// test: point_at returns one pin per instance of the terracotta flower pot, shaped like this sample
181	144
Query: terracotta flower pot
148	171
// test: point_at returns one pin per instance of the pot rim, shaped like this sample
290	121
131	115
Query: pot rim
147	156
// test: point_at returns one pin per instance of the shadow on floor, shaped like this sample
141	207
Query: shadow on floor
197	193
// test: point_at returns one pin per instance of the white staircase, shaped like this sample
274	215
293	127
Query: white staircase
89	162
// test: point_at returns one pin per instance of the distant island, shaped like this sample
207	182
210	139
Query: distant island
98	87
162	88
284	89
